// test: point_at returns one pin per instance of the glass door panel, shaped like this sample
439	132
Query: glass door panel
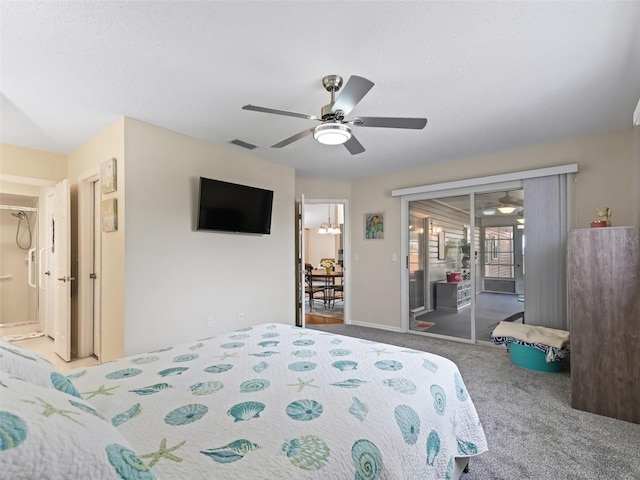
417	264
499	256
440	266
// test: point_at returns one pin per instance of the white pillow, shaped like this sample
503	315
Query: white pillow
29	366
46	434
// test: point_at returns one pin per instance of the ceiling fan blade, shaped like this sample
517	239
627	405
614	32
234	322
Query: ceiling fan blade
390	122
354	90
279	112
354	146
292	139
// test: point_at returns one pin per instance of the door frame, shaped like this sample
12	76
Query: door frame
88	257
346	257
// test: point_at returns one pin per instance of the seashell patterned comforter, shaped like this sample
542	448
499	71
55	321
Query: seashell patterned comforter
280	402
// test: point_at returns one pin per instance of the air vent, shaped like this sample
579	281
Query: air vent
240	143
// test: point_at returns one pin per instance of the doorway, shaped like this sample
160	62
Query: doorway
20	266
324	261
89	267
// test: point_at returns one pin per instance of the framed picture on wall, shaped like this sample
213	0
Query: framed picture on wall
108	176
374	226
109	214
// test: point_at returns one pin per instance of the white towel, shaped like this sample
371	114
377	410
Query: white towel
532	334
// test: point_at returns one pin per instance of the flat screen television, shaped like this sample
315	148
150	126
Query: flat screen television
229	207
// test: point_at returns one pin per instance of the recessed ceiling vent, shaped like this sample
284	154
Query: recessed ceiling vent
240	143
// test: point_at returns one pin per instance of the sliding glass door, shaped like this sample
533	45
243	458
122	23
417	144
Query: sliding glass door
465	262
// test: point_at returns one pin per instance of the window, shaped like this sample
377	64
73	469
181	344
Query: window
498	247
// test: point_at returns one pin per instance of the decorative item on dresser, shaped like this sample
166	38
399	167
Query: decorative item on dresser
604	305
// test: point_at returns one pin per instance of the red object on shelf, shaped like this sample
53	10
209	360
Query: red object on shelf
454	277
598	223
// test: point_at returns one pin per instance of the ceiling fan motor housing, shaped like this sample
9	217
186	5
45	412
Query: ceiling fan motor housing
328	115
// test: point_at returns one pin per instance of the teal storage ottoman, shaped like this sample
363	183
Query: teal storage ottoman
532	359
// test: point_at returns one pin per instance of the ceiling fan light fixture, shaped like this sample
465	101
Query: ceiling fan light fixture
332	133
507	209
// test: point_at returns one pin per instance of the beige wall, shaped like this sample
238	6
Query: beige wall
177	277
608	166
25	162
82	162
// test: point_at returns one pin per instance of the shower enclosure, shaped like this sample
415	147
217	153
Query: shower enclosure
19	262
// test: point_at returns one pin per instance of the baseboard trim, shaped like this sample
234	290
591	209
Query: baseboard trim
375	325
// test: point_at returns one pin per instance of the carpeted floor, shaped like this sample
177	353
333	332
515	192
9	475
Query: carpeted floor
532	431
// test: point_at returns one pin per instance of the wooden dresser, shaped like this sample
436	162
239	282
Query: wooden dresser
604	308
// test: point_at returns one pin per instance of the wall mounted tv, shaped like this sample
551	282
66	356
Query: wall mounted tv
229	207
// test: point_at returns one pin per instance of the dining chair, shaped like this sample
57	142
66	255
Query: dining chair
311	289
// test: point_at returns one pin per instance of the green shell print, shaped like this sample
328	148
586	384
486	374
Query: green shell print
206	388
186	414
87	408
124	373
13	430
127	415
461	390
401	385
344	365
62	383
231	452
367	460
359	409
439	399
304	410
254	385
389	365
307	452
302	366
151	389
219	368
145	360
167	372
187	357
232	345
246	411
409	423
127	463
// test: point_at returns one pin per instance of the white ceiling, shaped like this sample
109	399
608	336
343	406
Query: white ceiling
489	76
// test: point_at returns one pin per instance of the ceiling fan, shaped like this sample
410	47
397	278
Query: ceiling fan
508	204
335	129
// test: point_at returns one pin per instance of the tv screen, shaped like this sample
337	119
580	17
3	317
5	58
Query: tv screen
230	207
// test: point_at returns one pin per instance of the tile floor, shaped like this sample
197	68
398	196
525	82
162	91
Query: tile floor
43	346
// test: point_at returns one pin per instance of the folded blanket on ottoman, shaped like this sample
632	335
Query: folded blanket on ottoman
553	342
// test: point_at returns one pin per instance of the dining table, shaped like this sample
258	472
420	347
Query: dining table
329	281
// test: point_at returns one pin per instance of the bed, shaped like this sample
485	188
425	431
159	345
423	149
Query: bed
263	402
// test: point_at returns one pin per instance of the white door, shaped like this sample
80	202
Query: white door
61	271
49	271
